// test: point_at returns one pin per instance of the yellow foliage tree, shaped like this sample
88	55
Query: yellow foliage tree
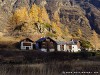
44	15
79	32
95	40
57	29
40	15
20	15
34	13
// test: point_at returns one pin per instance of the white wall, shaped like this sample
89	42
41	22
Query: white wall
51	50
65	48
74	48
43	49
58	48
24	47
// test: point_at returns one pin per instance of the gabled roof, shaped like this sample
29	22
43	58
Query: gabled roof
27	39
61	42
72	42
43	39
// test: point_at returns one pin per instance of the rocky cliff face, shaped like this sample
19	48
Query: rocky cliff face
70	15
85	12
92	9
6	8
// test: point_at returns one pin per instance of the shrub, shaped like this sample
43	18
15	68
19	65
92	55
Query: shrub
85	44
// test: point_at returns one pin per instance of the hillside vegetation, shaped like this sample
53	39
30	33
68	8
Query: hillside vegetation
59	19
27	23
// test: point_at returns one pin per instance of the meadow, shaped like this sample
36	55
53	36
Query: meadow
51	63
52	68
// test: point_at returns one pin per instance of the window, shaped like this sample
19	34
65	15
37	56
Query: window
43	46
70	47
26	44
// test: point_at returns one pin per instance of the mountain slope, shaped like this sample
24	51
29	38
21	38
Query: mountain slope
60	19
92	9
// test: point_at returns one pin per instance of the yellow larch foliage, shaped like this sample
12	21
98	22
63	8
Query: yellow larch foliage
20	15
57	29
34	13
95	40
79	32
40	15
44	15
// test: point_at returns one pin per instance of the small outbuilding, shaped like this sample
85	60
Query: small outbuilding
46	44
26	44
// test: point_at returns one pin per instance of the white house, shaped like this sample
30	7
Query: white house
26	44
73	46
61	46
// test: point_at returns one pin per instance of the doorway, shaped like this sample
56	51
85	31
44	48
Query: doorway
27	48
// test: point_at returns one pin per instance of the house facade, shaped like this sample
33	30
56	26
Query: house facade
73	46
26	44
46	44
61	46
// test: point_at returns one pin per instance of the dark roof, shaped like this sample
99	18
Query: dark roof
27	39
43	39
